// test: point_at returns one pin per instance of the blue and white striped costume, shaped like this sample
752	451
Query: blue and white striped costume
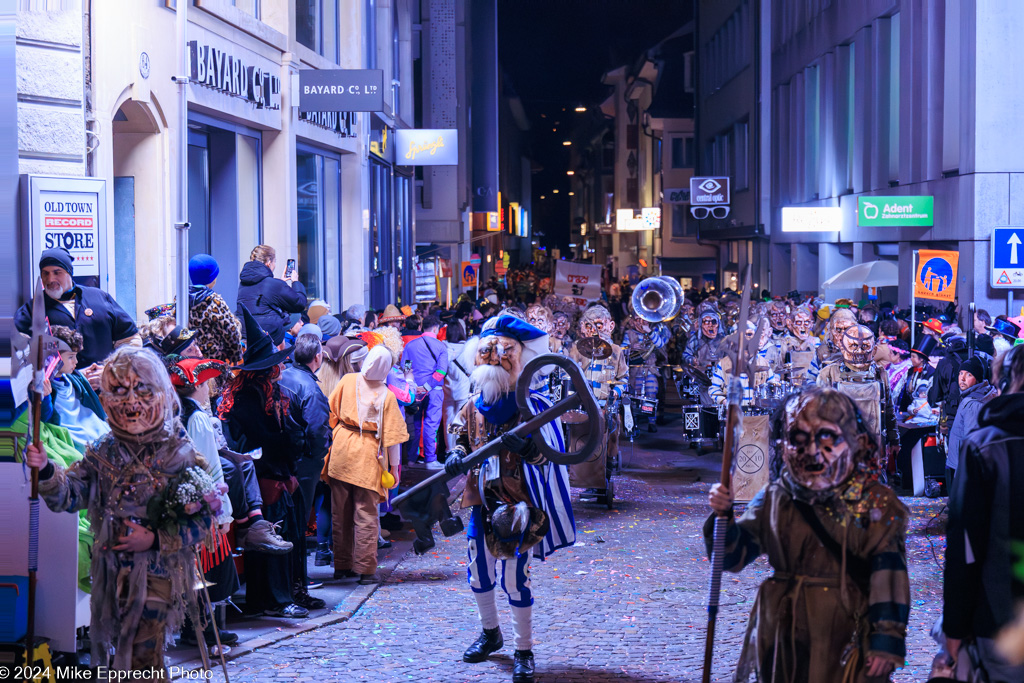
547	486
719	385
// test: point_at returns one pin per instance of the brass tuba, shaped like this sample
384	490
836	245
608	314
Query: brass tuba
656	300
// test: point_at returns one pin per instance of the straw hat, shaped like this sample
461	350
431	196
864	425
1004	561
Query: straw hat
391	314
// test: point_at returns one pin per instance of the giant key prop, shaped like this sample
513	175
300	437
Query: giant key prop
582	399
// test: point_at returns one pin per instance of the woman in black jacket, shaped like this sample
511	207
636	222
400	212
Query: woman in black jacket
268	299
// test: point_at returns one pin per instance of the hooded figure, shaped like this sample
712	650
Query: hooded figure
837	605
519	474
702	349
143	563
368	430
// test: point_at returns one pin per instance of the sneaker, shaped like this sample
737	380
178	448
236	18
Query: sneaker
314	584
262	537
188	636
289	611
344	574
368	579
434	465
324	556
306	600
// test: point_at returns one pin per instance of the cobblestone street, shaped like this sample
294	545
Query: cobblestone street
625	604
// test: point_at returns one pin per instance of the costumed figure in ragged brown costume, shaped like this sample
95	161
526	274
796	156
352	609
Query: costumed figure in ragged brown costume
836	608
143	560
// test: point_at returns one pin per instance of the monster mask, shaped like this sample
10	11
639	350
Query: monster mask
842	320
777	316
800	324
540	317
560	325
858	347
825	439
498	362
596	321
137	395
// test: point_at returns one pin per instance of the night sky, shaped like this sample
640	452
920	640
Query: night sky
553	53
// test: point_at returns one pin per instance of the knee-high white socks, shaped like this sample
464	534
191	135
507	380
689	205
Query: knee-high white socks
488	609
522	619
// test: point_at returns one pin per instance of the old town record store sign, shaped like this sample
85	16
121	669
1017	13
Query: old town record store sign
224	70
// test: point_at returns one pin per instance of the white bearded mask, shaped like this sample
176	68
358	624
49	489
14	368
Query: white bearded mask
498	364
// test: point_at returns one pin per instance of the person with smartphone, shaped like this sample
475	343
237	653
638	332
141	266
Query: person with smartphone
271	301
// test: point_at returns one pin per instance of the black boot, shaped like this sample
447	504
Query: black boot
522	666
490	641
324	556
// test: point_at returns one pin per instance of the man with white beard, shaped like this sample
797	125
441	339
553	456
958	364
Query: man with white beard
104	325
520	502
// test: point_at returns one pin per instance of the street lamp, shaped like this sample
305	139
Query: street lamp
566	143
570	173
581	109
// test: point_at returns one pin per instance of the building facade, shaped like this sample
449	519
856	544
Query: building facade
889	98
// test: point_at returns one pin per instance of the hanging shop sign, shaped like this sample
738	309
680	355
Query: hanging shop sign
581	281
627	221
427	147
709	191
1007	258
676	195
341	90
446	267
68	213
215	68
812	219
936	274
895	211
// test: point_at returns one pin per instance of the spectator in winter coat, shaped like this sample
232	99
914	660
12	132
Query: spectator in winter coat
218	331
975	392
270	301
104	325
75	405
308	406
945	388
982	590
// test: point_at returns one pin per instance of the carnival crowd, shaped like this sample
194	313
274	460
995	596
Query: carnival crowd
251	428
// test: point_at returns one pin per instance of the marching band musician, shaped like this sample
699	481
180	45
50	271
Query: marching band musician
560	324
763	372
702	349
643	347
856	365
777	313
543	319
597	321
839	322
800	347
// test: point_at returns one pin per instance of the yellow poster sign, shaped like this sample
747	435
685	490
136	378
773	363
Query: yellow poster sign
936	274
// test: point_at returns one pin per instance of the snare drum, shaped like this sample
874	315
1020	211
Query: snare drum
701	423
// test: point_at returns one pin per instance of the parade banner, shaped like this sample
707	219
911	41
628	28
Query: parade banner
936	274
581	281
750	467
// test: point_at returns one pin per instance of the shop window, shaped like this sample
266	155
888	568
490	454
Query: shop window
318	199
316	26
250	7
682	152
681	223
741	149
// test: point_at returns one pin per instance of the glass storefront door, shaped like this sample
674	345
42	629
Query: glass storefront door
381	242
318	184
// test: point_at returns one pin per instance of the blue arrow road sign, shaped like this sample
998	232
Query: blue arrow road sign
1007	257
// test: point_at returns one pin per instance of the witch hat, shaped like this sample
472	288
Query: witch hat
260	352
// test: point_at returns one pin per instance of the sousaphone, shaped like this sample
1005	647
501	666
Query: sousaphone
657	299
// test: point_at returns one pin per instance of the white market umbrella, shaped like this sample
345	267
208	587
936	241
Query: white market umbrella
872	274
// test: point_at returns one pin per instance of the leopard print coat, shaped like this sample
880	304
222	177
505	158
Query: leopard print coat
218	329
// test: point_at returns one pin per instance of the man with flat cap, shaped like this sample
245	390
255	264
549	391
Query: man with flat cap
104	325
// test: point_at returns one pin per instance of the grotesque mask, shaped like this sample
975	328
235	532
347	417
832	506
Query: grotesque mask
540	317
686	312
136	393
800	324
709	326
560	325
777	316
730	312
858	347
597	322
822	439
839	323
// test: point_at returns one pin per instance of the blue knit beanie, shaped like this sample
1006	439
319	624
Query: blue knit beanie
203	269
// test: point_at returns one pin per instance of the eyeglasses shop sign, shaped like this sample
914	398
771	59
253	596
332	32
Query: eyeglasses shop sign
427	147
709	191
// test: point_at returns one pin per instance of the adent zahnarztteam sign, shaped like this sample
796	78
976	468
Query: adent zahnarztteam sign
895	211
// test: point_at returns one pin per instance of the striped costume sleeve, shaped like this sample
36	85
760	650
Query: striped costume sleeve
548	488
889	593
718	389
742	539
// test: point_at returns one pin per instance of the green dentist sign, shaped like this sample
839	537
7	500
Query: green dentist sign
895	211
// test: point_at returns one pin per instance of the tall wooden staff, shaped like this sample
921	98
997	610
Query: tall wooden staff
36	353
740	361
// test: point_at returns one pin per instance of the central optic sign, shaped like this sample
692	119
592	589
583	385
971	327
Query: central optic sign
895	211
341	90
709	191
812	219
